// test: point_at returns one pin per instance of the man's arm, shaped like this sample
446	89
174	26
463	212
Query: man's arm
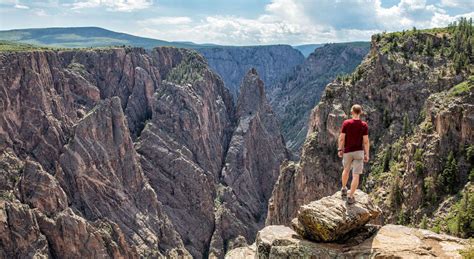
340	146
366	143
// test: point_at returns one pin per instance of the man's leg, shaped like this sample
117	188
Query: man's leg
345	176
346	163
354	184
358	167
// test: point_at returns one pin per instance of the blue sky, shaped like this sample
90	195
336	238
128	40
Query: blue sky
238	22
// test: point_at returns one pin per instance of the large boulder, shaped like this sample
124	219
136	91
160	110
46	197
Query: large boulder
332	218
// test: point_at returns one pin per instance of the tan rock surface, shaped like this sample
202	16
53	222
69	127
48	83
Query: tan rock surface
331	218
391	241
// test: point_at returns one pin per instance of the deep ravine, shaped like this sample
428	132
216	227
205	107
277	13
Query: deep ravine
144	152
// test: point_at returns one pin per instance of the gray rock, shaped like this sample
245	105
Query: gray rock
232	63
294	95
250	170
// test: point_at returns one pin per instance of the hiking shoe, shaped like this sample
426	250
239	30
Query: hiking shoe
344	192
351	200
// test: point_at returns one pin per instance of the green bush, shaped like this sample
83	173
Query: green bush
429	189
470	153
424	222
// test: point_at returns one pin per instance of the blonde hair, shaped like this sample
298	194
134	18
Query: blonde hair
357	109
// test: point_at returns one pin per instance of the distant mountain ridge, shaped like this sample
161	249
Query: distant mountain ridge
78	37
230	62
92	36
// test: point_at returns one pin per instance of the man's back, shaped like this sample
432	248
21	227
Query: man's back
354	129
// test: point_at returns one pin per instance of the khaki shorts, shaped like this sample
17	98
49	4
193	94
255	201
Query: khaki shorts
355	160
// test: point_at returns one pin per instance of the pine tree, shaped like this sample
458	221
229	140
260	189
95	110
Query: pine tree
406	125
429	47
449	174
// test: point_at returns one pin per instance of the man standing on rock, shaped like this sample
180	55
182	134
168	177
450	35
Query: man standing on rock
353	147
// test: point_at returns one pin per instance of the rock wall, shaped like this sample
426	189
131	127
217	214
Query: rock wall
250	169
296	93
119	153
232	63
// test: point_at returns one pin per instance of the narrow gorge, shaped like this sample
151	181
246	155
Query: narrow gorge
143	152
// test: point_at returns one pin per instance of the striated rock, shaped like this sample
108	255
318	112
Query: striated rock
390	241
183	146
331	218
72	236
102	174
41	190
20	234
295	94
10	171
250	170
232	63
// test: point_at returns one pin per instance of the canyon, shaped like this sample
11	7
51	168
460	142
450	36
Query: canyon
146	153
125	152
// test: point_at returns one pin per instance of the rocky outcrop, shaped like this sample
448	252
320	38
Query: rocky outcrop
331	228
232	63
296	93
390	241
250	169
330	218
393	84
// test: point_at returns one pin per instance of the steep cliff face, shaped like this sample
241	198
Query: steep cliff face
183	145
394	84
250	169
294	95
122	153
78	174
271	62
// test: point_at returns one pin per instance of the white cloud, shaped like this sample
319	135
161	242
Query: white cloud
20	6
167	20
14	3
114	5
40	12
464	4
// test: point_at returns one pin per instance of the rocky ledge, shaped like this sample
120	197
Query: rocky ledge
341	231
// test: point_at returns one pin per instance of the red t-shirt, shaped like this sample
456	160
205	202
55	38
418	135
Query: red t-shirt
354	130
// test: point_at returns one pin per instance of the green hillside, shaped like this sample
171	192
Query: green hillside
79	37
17	46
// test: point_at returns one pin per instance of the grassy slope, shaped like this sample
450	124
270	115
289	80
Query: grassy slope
10	46
81	37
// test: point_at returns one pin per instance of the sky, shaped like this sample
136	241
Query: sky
238	22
